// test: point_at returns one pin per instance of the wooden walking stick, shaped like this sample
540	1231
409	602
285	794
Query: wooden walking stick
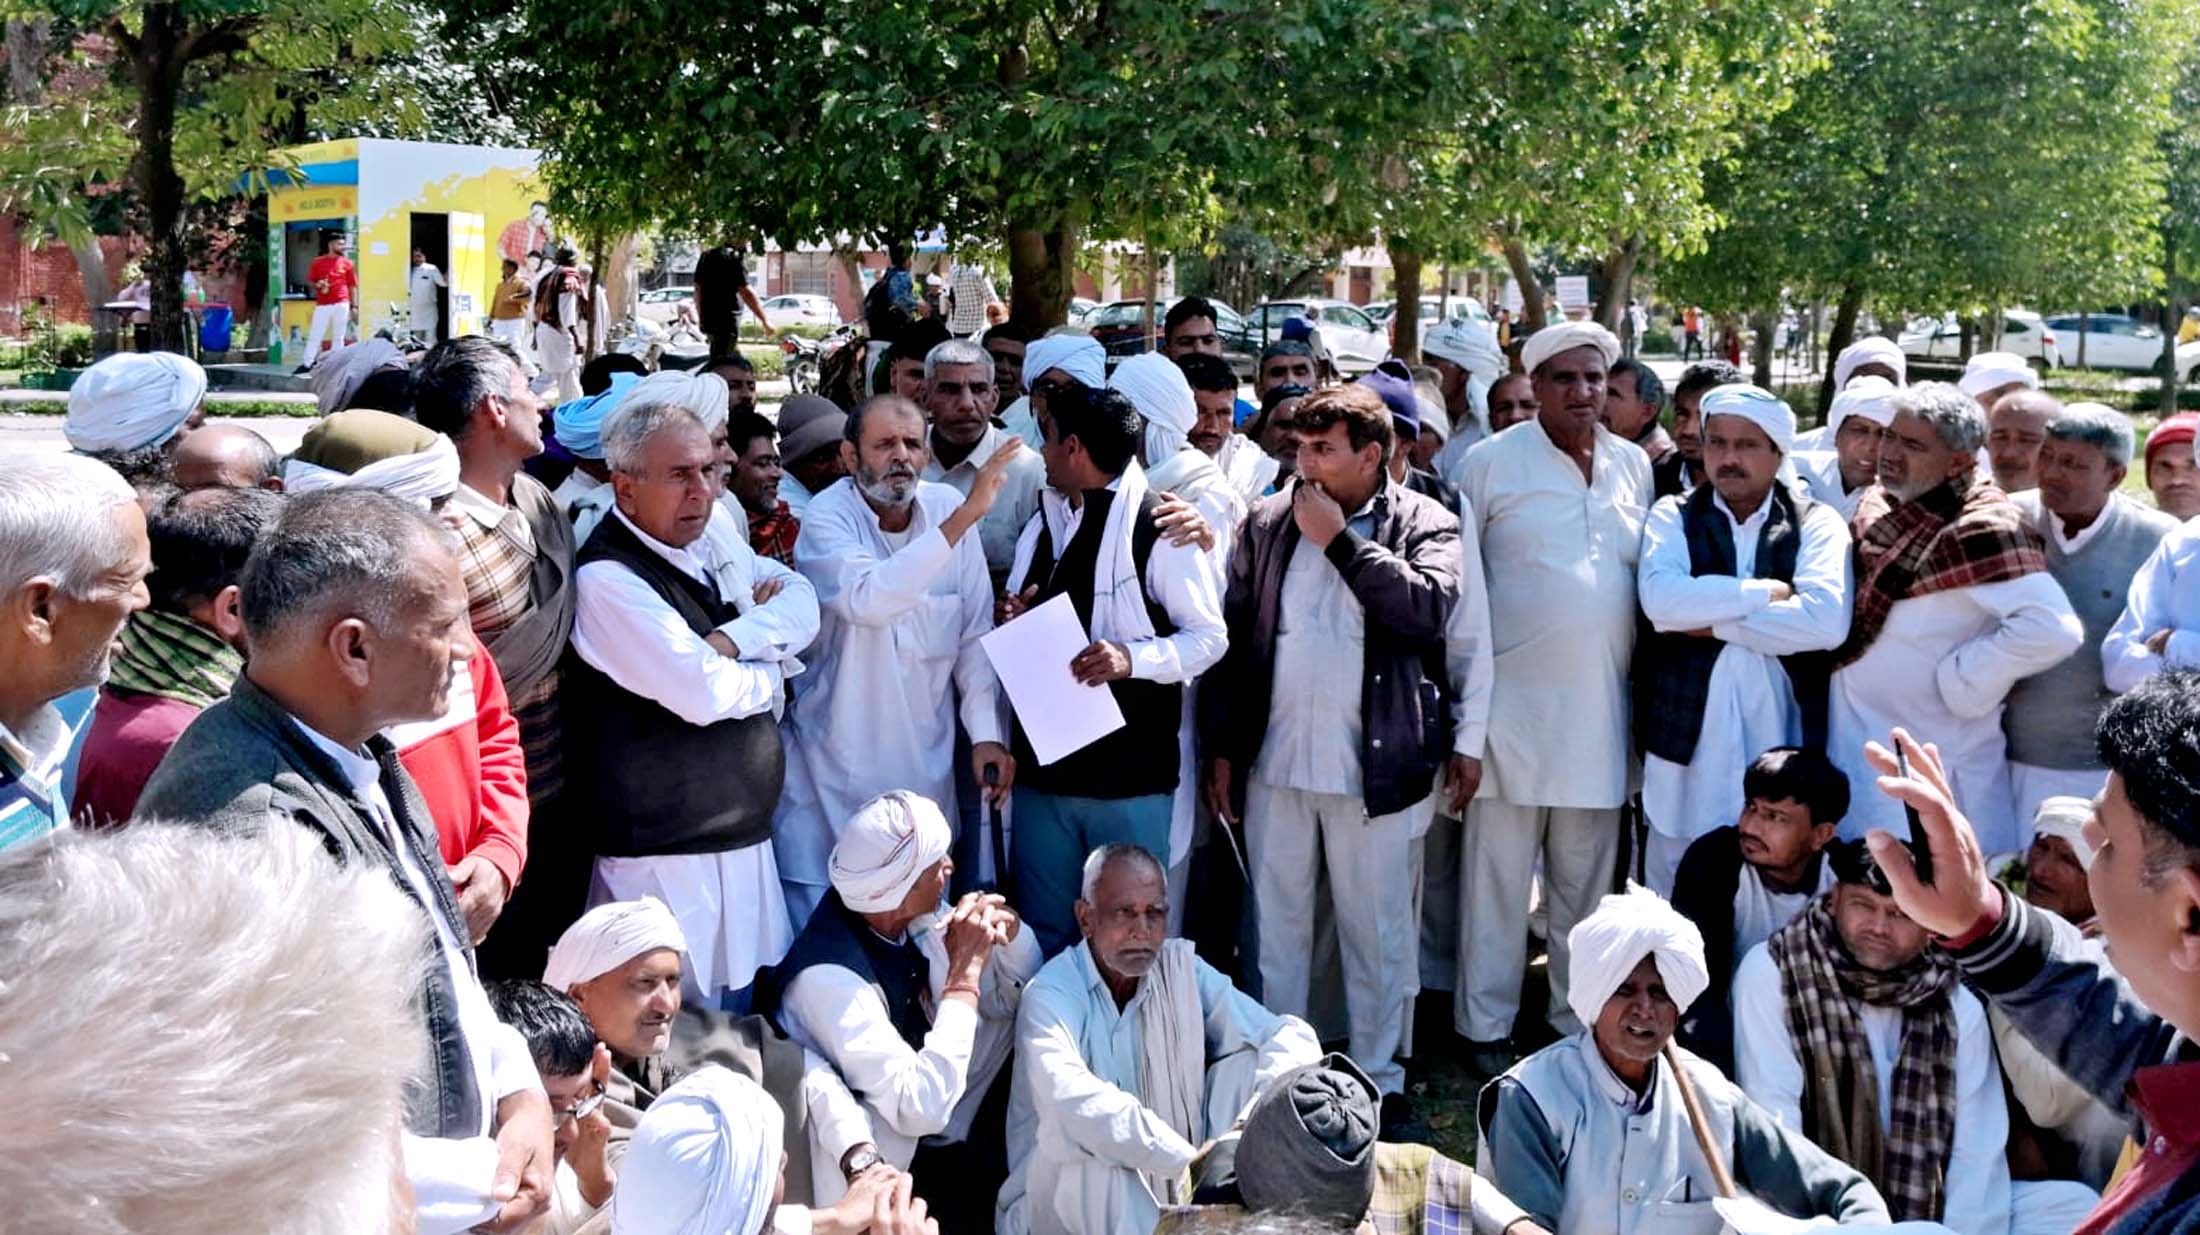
1720	1179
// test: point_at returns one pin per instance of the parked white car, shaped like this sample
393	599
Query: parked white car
1355	342
2022	332
802	309
662	305
2111	341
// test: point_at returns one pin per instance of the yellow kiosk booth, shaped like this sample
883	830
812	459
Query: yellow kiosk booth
463	207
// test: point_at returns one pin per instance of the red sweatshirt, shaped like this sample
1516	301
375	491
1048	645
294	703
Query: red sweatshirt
472	771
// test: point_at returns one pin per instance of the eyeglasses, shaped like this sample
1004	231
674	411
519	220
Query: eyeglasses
1049	387
582	1109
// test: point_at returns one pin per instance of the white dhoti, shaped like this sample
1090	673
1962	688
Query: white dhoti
728	905
1296	840
331	322
1579	847
560	366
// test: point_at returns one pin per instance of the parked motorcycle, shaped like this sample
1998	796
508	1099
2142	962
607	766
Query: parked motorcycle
803	363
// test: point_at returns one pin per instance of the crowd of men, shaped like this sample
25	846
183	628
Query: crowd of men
724	890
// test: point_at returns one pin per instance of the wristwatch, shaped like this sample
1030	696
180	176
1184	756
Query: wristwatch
860	1159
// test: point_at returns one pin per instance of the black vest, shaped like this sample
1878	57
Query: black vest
1139	759
838	935
1673	670
649	782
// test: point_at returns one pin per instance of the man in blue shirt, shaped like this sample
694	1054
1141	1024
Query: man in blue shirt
73	561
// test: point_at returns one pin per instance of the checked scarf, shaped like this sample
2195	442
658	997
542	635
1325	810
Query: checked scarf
1960	534
175	658
773	536
1908	1161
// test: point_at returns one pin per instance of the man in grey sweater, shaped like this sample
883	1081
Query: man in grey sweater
2096	540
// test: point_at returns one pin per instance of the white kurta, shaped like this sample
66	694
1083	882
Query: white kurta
1012	507
2165	595
1078	1136
795	494
1749	705
1940	668
427	307
896	651
1249	469
1759	912
915	1093
1820	472
1559	554
729	904
1195	478
1979	1197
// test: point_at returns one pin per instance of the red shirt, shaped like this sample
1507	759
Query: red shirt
128	735
2167	1098
471	771
333	279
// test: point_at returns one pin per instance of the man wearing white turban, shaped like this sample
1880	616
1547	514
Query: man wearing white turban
1557	506
705	1160
1075	358
958	382
1592	1134
1467	356
1848	462
620	963
1990	375
1740	579
135	401
913	1002
1157	387
1877	358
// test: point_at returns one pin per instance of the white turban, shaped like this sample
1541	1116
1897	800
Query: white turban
1078	355
891	839
133	399
422	476
1870	396
704	394
609	936
1988	370
1157	388
1760	407
1608	944
1565	337
1877	349
704	1159
338	375
1473	347
2065	817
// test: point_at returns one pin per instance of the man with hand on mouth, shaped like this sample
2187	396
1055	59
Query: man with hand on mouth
1631	1159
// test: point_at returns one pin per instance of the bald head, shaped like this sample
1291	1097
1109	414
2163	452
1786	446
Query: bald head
226	457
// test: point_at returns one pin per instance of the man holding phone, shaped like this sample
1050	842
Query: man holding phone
2122	1033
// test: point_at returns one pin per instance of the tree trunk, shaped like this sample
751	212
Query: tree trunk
2170	320
1146	315
1040	264
1531	292
158	70
1405	316
2082	315
619	276
26	45
1844	333
99	288
1966	338
1763	322
1615	279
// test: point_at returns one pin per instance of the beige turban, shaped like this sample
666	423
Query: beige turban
2065	817
1608	944
1565	337
365	449
609	936
132	400
892	839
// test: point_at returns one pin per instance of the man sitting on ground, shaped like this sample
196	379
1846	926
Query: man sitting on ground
1592	1132
1131	1052
621	964
1858	1035
1742	882
914	1005
575	1070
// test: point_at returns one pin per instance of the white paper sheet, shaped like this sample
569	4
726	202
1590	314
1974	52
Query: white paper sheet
1031	656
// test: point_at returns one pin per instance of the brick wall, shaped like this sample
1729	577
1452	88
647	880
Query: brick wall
47	275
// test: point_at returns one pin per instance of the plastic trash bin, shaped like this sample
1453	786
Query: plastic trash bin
215	325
